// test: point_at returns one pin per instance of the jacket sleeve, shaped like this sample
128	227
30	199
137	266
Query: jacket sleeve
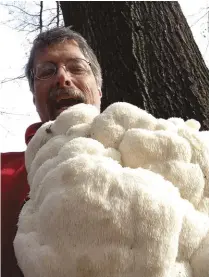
14	191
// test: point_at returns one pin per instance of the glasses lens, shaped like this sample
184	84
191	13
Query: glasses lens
78	66
45	71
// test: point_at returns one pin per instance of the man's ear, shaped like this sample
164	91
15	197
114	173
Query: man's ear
100	93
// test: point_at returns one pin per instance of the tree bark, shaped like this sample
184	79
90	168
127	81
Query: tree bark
148	56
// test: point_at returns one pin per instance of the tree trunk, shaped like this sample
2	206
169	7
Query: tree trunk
148	56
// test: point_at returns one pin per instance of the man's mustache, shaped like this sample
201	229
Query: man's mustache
55	92
71	92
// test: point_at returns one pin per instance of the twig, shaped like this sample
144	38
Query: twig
198	19
16	7
12	79
58	13
18	114
6	130
51	21
40	16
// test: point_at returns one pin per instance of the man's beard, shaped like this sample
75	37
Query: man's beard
75	96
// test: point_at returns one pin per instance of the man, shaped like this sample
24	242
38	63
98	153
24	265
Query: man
62	71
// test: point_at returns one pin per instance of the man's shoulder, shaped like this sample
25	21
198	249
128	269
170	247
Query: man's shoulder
12	168
12	158
15	158
7	155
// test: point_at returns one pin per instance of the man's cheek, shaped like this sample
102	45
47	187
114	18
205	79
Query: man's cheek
41	87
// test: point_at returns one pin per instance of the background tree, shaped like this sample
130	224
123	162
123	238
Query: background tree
148	56
17	111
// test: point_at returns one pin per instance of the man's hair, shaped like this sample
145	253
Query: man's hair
57	35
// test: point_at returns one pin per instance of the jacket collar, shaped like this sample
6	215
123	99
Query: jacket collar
31	130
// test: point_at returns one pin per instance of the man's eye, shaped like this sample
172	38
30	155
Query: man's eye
77	69
45	71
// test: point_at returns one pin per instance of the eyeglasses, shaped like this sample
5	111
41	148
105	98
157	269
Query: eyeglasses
78	66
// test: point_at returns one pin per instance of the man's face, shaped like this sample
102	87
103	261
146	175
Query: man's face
70	85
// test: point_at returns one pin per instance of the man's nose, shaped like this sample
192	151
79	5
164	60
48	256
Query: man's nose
63	77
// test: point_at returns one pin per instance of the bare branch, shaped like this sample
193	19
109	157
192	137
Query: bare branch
58	13
198	12
7	130
51	21
21	27
49	10
18	8
10	113
37	4
31	31
8	21
12	79
22	24
30	23
198	19
40	17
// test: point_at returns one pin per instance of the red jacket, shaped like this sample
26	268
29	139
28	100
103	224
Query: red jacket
14	191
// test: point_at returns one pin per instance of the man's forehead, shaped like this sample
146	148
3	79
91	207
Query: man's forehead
62	50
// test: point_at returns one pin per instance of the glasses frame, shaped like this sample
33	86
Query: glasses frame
55	72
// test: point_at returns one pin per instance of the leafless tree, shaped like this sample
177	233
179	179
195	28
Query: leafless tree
22	19
42	17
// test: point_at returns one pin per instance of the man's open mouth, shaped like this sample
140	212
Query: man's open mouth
64	103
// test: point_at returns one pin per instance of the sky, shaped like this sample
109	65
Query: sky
17	111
